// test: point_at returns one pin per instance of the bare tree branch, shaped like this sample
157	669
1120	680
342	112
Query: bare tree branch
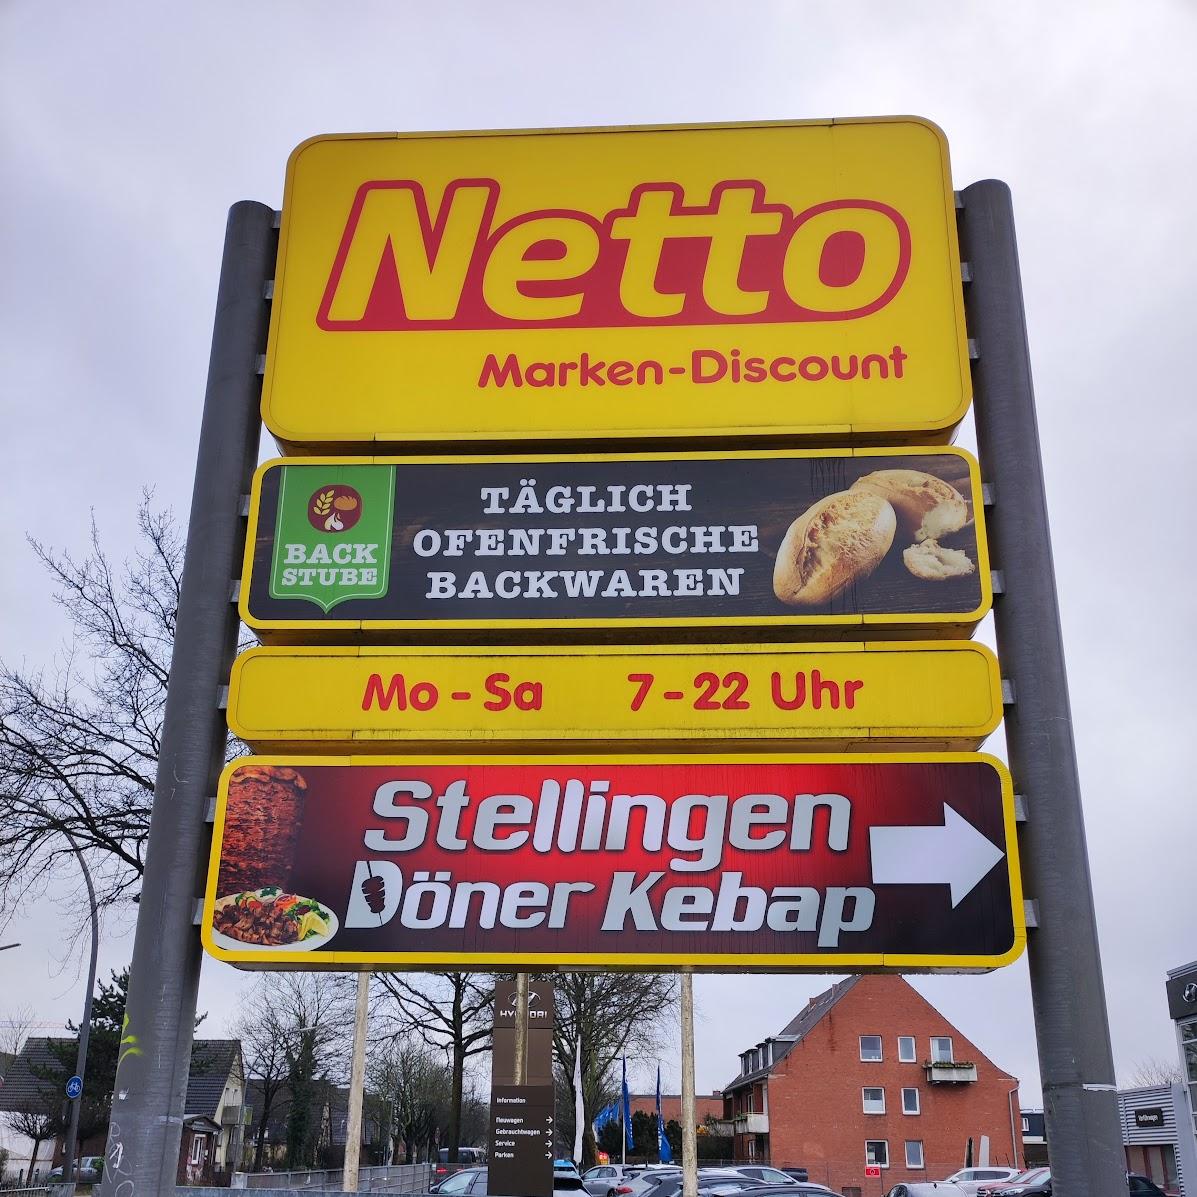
79	741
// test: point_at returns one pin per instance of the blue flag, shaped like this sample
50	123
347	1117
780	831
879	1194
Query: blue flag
609	1113
627	1109
664	1151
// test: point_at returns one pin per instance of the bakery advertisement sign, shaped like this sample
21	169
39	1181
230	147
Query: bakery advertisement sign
741	862
796	279
851	539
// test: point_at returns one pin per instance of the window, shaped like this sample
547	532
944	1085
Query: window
870	1047
914	1153
906	1049
877	1152
910	1101
874	1101
197	1149
941	1050
458	1183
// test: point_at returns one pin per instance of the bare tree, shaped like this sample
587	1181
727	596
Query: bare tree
451	1011
39	1123
14	1030
1152	1072
601	1016
260	1029
416	1085
292	1028
79	743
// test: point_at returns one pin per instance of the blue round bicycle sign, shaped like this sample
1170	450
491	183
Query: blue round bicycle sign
74	1087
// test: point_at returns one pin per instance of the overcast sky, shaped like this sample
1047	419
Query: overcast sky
129	128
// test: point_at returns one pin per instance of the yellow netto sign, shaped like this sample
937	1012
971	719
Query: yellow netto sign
930	695
797	279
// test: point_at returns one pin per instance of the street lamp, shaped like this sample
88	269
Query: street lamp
68	1164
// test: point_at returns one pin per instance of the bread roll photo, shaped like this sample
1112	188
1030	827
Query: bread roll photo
930	561
927	507
835	542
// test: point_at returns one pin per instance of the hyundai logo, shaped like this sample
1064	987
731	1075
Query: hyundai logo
1190	993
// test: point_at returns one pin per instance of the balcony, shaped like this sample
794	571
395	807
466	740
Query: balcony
752	1124
950	1072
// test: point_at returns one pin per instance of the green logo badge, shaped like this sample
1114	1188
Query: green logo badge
332	540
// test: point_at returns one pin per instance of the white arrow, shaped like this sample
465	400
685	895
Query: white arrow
956	855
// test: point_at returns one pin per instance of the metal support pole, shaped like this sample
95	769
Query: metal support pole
68	1163
689	1131
357	1085
521	1029
155	1057
1071	1024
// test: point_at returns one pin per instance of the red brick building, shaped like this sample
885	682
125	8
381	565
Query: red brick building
870	1072
671	1106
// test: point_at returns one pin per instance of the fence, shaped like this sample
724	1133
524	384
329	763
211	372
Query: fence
392	1178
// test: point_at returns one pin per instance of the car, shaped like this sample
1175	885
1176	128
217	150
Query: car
1030	1181
566	1178
713	1181
801	1188
768	1174
472	1182
1140	1185
460	1182
608	1180
467	1157
972	1180
87	1171
926	1188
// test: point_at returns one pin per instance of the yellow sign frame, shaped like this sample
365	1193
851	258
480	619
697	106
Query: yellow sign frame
331	383
700	962
271	689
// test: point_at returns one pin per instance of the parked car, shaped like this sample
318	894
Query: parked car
87	1173
608	1180
1025	1182
802	1188
467	1157
1142	1187
566	1178
713	1181
768	1174
972	1180
458	1183
471	1182
926	1188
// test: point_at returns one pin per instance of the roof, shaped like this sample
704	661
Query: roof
34	1079
798	1028
212	1060
38	1074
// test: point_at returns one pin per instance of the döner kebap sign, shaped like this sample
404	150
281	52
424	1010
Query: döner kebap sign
718	862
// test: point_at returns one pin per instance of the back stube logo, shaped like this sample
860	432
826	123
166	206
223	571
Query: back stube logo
334	543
